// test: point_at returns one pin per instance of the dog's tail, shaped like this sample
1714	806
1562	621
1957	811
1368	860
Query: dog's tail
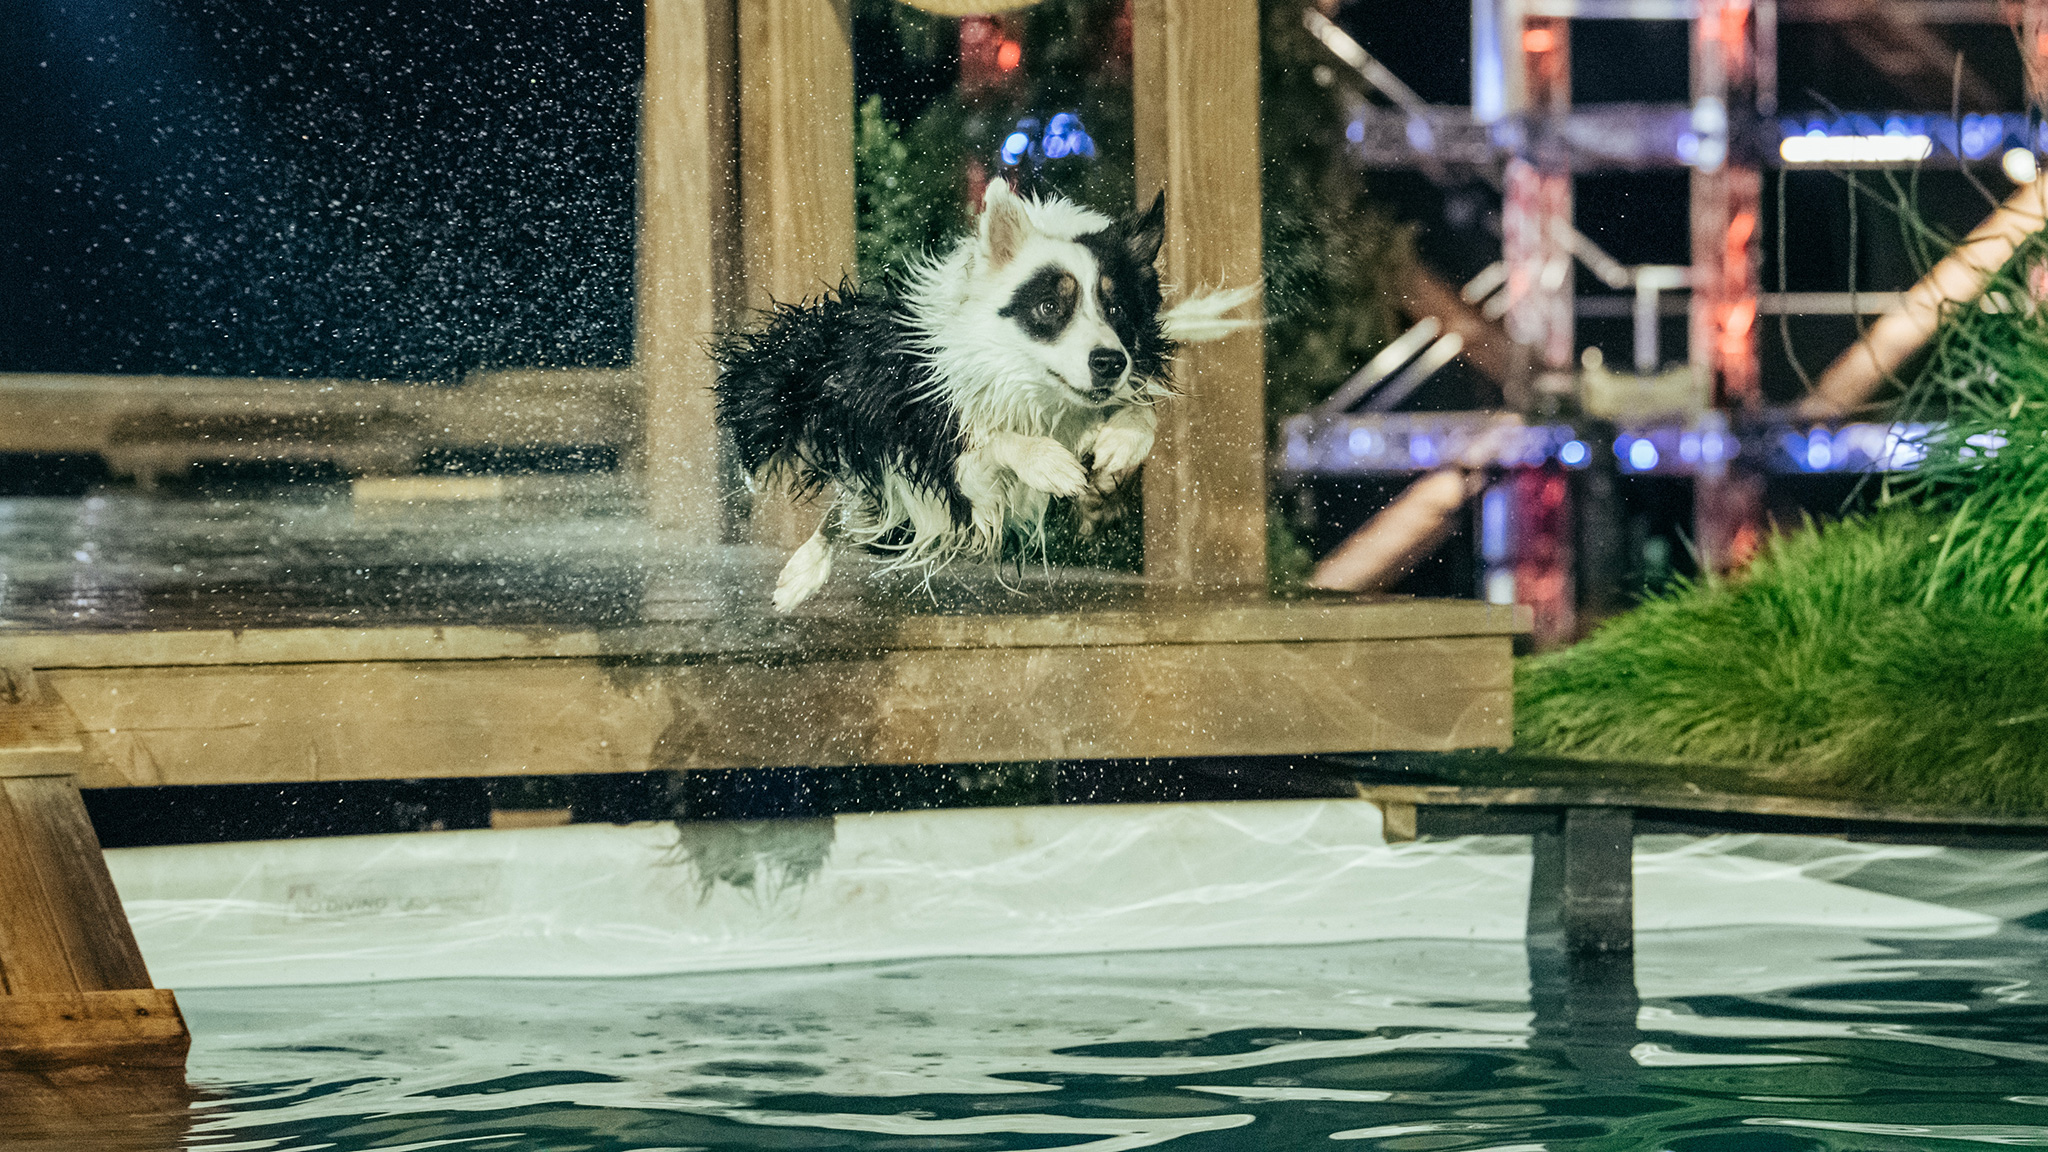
762	393
1201	318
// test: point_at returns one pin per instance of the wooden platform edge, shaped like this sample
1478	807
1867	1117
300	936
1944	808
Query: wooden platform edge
1801	807
135	1027
1283	621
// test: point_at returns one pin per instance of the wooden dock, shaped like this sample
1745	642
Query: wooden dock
148	642
1103	671
1582	819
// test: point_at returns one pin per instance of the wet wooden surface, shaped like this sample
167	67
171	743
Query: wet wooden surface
201	642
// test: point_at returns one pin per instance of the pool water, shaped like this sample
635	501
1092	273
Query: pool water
1778	1038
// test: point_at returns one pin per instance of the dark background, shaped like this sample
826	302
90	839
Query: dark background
284	187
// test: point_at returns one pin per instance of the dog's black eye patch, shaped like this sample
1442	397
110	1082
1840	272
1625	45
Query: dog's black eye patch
1044	304
1129	291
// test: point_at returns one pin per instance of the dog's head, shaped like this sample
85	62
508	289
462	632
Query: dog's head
1067	297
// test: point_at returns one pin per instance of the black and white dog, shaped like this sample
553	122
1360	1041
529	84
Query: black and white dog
947	411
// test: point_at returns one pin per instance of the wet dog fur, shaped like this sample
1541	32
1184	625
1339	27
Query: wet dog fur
946	410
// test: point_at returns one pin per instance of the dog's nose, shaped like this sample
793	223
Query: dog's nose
1106	365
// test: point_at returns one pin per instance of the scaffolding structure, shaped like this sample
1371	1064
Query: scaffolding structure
1708	419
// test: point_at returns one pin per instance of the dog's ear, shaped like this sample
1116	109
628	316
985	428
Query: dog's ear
1004	226
1143	234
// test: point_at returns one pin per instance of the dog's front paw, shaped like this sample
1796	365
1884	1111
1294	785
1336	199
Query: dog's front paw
1118	452
1048	467
805	573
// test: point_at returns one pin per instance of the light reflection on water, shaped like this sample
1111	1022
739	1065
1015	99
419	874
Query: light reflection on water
1406	1046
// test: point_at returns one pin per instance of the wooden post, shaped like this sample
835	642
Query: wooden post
796	177
1581	940
1196	110
688	253
73	989
1581	886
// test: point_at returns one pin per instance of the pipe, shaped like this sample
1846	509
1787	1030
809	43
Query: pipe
1404	533
1959	278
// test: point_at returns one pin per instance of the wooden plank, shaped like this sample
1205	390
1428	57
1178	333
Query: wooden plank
147	425
1163	623
1166	621
62	928
1196	113
688	251
1027	704
281	722
32	956
132	1027
1598	795
48	822
796	179
276	723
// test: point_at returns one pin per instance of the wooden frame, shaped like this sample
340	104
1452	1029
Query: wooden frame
73	988
1196	91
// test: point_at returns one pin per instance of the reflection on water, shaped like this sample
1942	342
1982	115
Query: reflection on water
1405	1046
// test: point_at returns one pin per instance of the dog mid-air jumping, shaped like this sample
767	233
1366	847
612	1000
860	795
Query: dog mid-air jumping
947	411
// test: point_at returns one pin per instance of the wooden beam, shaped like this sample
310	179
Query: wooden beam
796	177
720	634
62	929
73	988
278	723
688	252
1196	108
1582	887
1599	789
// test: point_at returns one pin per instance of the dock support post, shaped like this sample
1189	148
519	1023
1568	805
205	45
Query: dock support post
796	181
73	989
1195	92
1581	939
688	254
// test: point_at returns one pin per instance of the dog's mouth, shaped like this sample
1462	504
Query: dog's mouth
1082	397
1105	396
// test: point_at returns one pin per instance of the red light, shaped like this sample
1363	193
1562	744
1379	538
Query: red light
1538	40
1009	55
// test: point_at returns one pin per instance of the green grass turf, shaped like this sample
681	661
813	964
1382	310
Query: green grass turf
1820	665
1902	656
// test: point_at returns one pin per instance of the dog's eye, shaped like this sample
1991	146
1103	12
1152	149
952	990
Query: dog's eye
1045	310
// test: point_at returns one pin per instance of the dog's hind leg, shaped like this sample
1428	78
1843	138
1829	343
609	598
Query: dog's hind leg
809	568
